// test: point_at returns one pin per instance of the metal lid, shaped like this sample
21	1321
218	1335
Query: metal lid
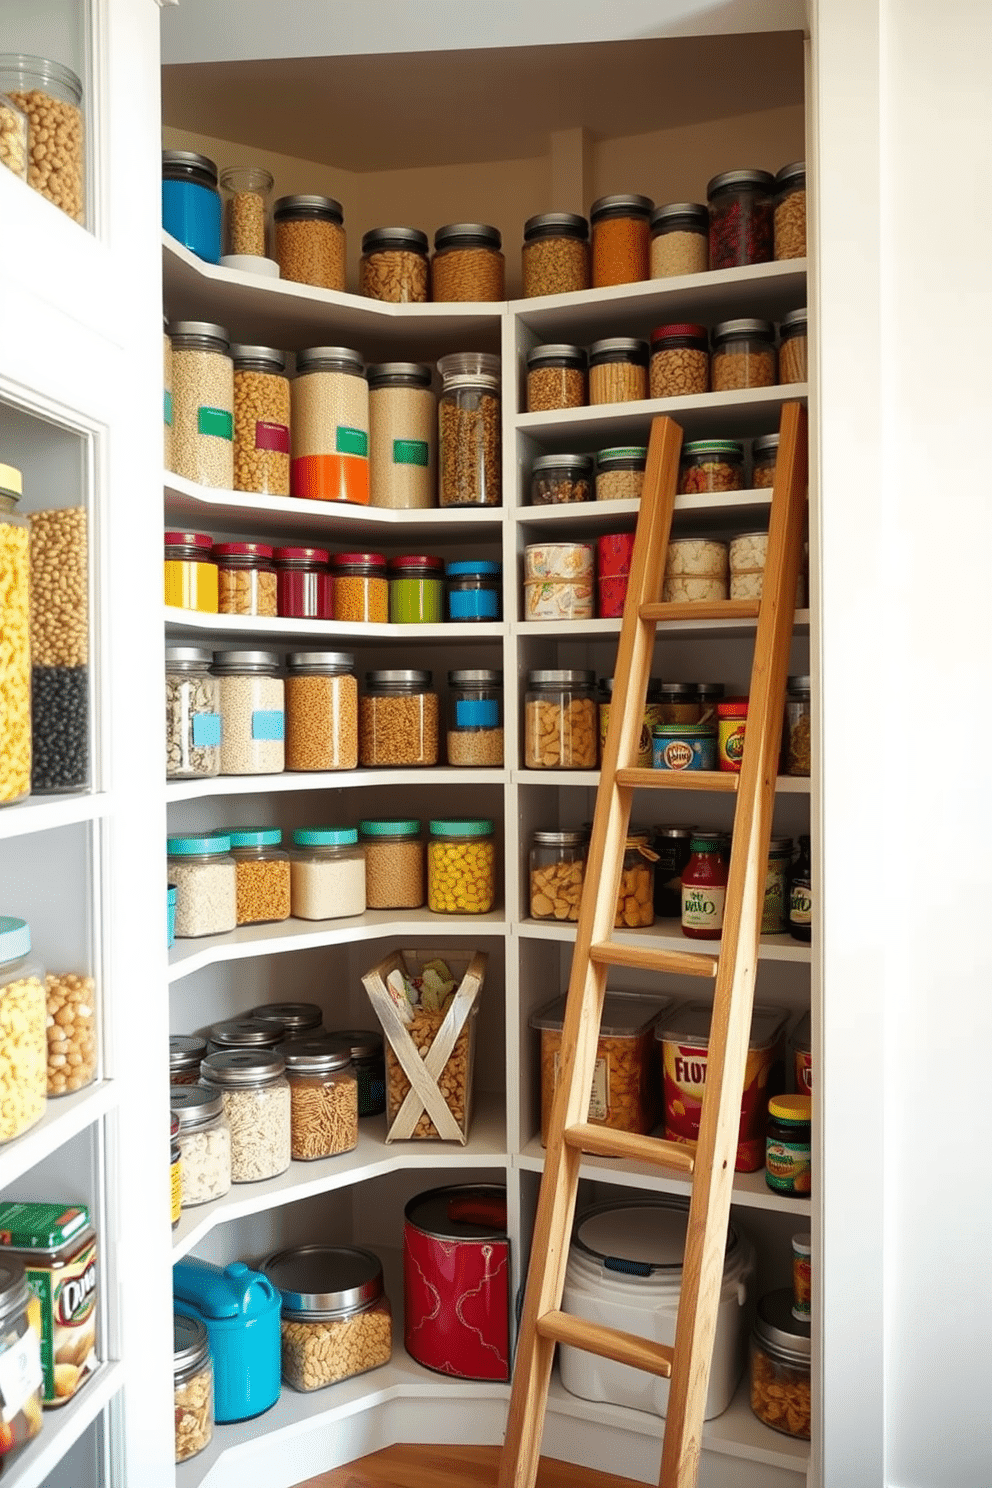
242	550
399	374
575	838
676	691
558	677
234	661
709	690
190	1342
640	206
188	159
777	1328
325	1281
42	1226
688	731
694	213
314	1055
467	235
189	540
789	174
296	1017
766	445
780	845
246	1033
200	330
473	567
398	677
680	834
614	347
639	1238
307	555
325	836
330	359
186	1050
729	447
268	356
463	1211
195	1105
416	560
462	826
189	844
623	454
556	352
580	464
625	1014
798	684
364	1043
401	827
744	327
233	1067
329	661
565	224
761	178
794	323
690	1023
286	206
702	841
399	239
480	677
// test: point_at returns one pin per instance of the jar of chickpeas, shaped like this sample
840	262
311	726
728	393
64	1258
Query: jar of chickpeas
461	866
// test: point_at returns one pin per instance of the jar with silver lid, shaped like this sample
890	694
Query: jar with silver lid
793	361
297	1018
560	720
679	239
323	1094
185	1053
618	370
204	1141
166	378
556	378
395	265
398	719
367	1051
469	430
191	204
402	436
336	1319
555	258
780	1351
764	454
202	403
620	239
559	479
244	1033
261	421
310	240
797	736
557	873
193	1386
790	211
192	714
330	426
743	355
742	227
252	710
475	719
321	711
468	263
256	1103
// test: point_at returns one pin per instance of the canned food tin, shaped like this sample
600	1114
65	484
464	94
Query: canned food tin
685	746
731	729
57	1246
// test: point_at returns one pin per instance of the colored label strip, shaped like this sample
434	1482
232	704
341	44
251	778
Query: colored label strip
477	713
206	730
351	441
268	724
272	437
411	452
216	422
331	478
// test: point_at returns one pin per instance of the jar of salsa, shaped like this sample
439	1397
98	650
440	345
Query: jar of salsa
704	887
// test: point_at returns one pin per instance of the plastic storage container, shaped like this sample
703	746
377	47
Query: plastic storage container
741	218
193	1387
330	426
50	96
323	1098
764	455
780	1351
395	266
679	239
680	361
475	590
620	239
256	1104
19	1361
15	657
557	870
556	378
57	1246
191	203
14	132
192	714
369	1063
327	873
262	869
398	719
304	587
310	240
560	723
620	473
743	355
23	1037
555	256
468	264
246	579
475	719
261	420
416	590
793	361
321	711
202	869
185	1053
402	436
336	1319
618	370
790	211
361	588
695	571
252	710
395	872
190	572
559	479
635	900
240	1310
202	404
469	441
461	866
204	1141
246	191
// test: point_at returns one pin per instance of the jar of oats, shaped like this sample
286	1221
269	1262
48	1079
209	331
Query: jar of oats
323	1098
256	1103
252	711
246	190
51	96
468	264
679	240
193	1386
202	404
560	721
321	711
310	240
23	1036
261	420
394	864
202	869
618	370
555	258
327	873
395	265
743	355
246	579
556	378
204	1142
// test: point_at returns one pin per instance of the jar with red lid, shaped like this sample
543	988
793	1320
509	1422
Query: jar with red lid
731	723
742	218
246	579
304	584
704	887
416	590
190	572
361	588
680	361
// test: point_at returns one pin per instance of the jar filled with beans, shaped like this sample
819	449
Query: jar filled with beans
680	361
330	426
191	206
394	863
190	572
59	649
402	436
202	404
618	370
475	719
262	875
742	229
620	473
204	1141
469	430
304	587
327	873
202	869
556	378
193	1387
461	866
764	455
555	257
246	579
50	96
679	240
192	714
336	1319
790	211
13	138
323	1098
557	873
398	719
468	264
15	655
711	465
255	1091
246	191
560	722
368	1059
621	238
395	265
252	711
23	1038
310	240
185	1053
559	479
793	362
743	355
321	711
361	588
261	420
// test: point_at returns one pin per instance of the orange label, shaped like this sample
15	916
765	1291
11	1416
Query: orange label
331	478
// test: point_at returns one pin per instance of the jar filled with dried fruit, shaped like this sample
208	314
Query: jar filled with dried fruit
185	1052
323	1098
246	579
190	572
620	473
620	239
304	587
321	711
51	96
679	239
193	1386
741	218
556	378
559	479
468	264
792	352
395	265
246	192
797	734
780	1349
310	240
15	655
469	430
336	1319
398	719
13	138
743	355
261	420
555	257
202	404
361	588
262	875
560	720
618	370
394	864
191	206
330	426
680	361
790	211
402	436
23	1038
557	872
711	465
764	454
475	719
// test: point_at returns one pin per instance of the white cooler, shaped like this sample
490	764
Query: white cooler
625	1270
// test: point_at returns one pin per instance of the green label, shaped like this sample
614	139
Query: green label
216	421
168	407
351	442
410	452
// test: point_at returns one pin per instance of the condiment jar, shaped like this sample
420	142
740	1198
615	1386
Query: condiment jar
741	218
556	378
304	588
469	430
193	1386
557	865
246	190
244	1033
475	590
731	733
793	361
336	1319
620	473
330	426
416	590
310	240
369	1062
192	714
204	1141
361	587
680	361
397	719
255	1091
780	1348
672	844
175	1170
202	404
394	863
262	869
403	436
15	657
560	720
20	1357
775	913
620	240
555	255
635	900
790	211
14	126
679	239
296	1018
704	887
468	264
743	355
797	734
764	454
559	479
185	1054
261	420
618	370
323	1095
252	711
246	579
395	266
190	572
652	716
327	873
321	711
708	694
711	465
801	894
461	866
475	719
23	1033
191	208
202	869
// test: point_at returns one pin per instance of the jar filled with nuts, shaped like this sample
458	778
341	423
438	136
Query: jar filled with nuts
468	264
679	239
620	240
72	1046
13	137
59	650
620	473
560	722
330	426
475	719
469	430
635	901
202	869
461	866
555	258
321	711
398	719
711	465
557	873
780	1366
323	1098
202	404
246	579
559	479
790	211
252	711
304	587
193	1386
191	207
327	873
190	572
367	1051
743	355
15	655
403	436
204	1140
262	869
680	361
261	420
51	96
741	218
556	378
792	352
394	863
361	587
618	370
310	240
395	266
185	1053
336	1320
246	193
23	1040
256	1103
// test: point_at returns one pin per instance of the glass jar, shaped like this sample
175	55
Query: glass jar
185	1054
23	1035
321	711
416	590
741	218
13	138
743	355
327	873
202	869
50	96
297	1018
678	702
330	426
475	719
395	266
790	211
403	436
620	473
204	1141
59	649
780	1366
246	579
262	875
793	359
461	866
192	715
191	205
555	256
261	421
202	404
672	846
556	480
175	1170
475	590
310	240
797	735
255	1092
323	1098
20	1361
397	719
708	694
704	887
394	864
246	191
764	454
679	240
304	588
469	430
193	1386
560	720
620	240
680	361
468	264
801	894
15	655
556	378
190	572
361	588
166	380
635	899
252	712
775	913
557	872
366	1049
245	1033
336	1319
652	715
618	370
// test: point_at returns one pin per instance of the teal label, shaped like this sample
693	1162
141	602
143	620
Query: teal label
216	422
167	409
268	723
411	452
206	730
351	442
476	713
787	1167
473	604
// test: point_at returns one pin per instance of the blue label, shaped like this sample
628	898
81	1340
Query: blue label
167	411
474	604
206	730
268	724
477	713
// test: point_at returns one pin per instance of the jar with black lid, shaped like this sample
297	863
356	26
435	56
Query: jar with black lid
559	479
468	263
793	363
555	257
395	266
801	894
261	420
742	229
708	694
618	370
679	239
743	355
764	454
680	361
672	846
310	240
790	211
191	204
620	239
402	435
556	378
369	1062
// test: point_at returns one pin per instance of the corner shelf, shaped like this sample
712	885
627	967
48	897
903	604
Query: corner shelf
322	780
65	1116
667	630
186	625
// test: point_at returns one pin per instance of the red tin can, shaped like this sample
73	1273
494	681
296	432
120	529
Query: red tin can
456	1281
612	596
614	551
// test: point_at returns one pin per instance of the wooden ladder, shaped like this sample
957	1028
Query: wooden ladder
711	1165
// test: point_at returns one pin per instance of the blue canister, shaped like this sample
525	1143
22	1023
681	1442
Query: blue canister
474	590
191	202
170	916
240	1310
684	746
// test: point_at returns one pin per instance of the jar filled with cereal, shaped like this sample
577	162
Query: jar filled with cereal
13	138
560	720
202	403
394	863
743	355
246	190
635	901
23	1037
395	265
261	420
790	211
620	239
620	473
680	361
310	240
51	97
468	264
461	866
262	868
246	579
321	711
780	1350
556	378
679	239
193	1386
475	719
398	719
15	657
764	454
336	1319
555	257
323	1097
557	872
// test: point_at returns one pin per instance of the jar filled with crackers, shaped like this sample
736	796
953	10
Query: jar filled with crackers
557	873
635	901
780	1365
560	720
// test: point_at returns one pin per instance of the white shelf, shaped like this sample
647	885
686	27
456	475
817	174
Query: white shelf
725	509
186	625
65	1116
321	780
718	415
63	1427
704	629
786	785
667	935
42	813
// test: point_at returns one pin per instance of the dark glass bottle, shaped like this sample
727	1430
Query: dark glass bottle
801	895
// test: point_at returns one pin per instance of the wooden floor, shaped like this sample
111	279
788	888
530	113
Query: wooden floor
452	1467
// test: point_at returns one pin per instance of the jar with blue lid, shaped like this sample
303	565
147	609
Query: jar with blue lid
475	719
474	590
191	205
240	1310
202	869
23	1034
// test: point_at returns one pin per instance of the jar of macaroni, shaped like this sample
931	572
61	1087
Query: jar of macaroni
202	404
416	590
246	579
556	480
261	420
475	719
192	714
764	455
330	426
743	355
398	719
191	204
191	572
679	240
555	257
246	190
327	873
204	1142
252	712
395	266
321	711
255	1091
560	722
185	1053
790	211
741	218
461	866
361	587
304	587
468	264
323	1098
556	378
403	436
310	240
394	863
620	473
780	1351
680	361
23	1031
618	370
193	1386
469	442
557	866
620	239
793	360
262	869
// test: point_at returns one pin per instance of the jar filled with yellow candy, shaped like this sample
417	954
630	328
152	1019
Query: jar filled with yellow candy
461	866
635	901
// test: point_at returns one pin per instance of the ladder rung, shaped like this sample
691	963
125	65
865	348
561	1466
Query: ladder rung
714	609
608	1343
603	1141
653	958
699	780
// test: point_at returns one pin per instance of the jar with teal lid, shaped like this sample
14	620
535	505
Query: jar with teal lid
475	719
394	863
202	869
620	473
475	590
327	873
416	590
461	866
23	1031
262	867
775	914
684	746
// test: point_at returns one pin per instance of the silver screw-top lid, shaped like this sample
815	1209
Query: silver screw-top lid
246	661
190	1343
397	239
179	159
240	1067
194	1105
329	359
467	235
325	1281
258	358
559	677
317	206
761	179
639	206
399	374
550	224
313	661
729	329
556	352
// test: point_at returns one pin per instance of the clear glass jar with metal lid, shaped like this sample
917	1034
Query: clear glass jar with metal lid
764	455
403	436
191	202
556	480
618	370
261	420
635	899
743	355
321	711
556	377
678	702
394	863
711	465
336	1319
193	1386
23	1031
192	714
327	873
20	1360
620	473
244	1033
256	1103
468	264
190	572
398	719
475	590
330	426
793	362
469	430
323	1095
680	361
361	587
461	866
742	229
297	1018
304	587
621	239
395	265
475	719
15	657
560	722
708	694
185	1053
202	403
557	872
246	190
797	733
310	240
555	256
252	710
204	1141
246	579
262	869
790	211
780	1351
13	137
50	95
202	869
679	239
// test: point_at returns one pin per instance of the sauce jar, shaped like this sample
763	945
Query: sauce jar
788	1145
191	206
398	719
330	426
618	370
741	218
775	913
323	1098
556	378
403	436
764	454
679	239
468	264
793	361
704	887
475	719
327	873
190	572
469	430
731	732
557	865
680	361
620	239
797	735
321	711
802	1055
246	579
394	864
635	900
708	694
310	240
801	894
192	714
461	866
202	869
304	586
790	211
620	473
395	266
246	191
185	1053
252	712
204	1141
23	1031
672	844
202	404
475	590
361	587
416	590
20	1361
555	256
369	1062
261	420
780	1347
262	870
560	723
743	355
255	1094
193	1386
558	479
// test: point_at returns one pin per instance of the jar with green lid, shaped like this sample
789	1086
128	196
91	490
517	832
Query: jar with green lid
793	359
398	719
50	95
327	873
202	403
191	572
556	480
261	421
780	1352
469	434
23	1031
336	1318
310	240
797	737
252	712
620	473
323	1098
468	263
368	1059
790	211
394	863
204	1141
743	355
244	1033
262	869
475	719
202	869
556	378
402	436
620	239
775	914
193	1387
246	190
395	266
15	655
175	1171
20	1360
555	256
185	1054
255	1092
461	866
416	590
711	465
329	400
557	870
321	711
618	370
679	239
741	218
560	720
296	1018
764	454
